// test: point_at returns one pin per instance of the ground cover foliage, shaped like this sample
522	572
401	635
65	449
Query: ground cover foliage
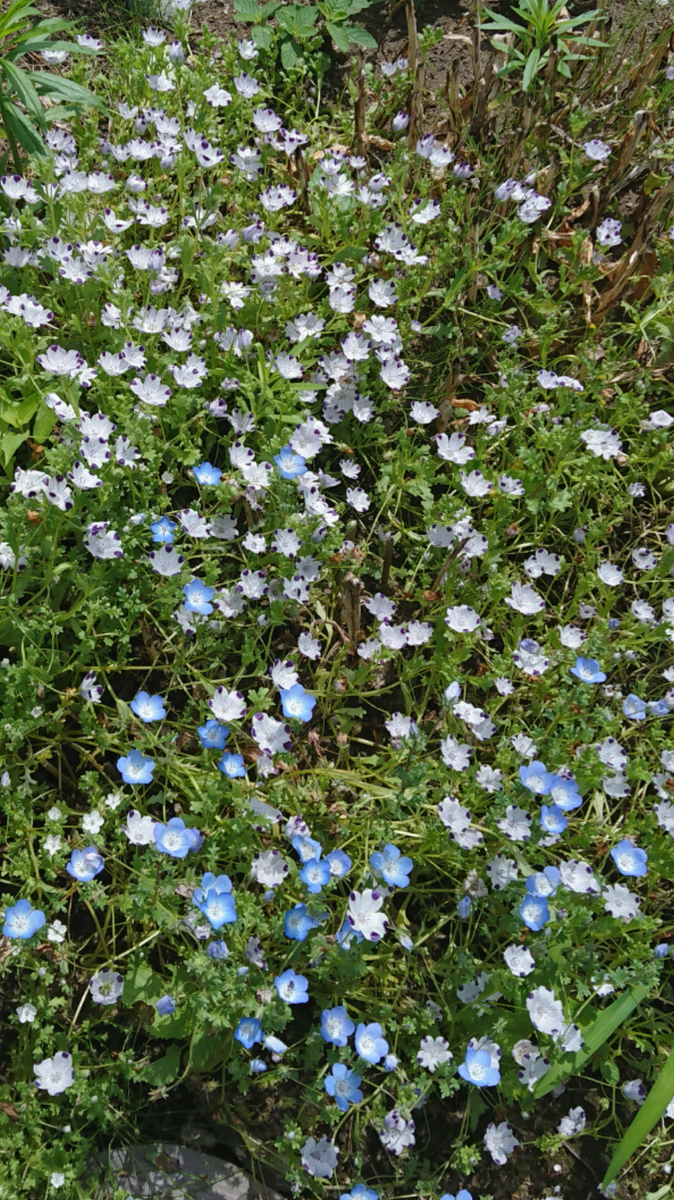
337	616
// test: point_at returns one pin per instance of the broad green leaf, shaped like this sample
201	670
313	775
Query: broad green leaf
9	445
297	21
20	414
269	9
348	252
247	10
141	983
650	1112
18	125
65	89
33	45
531	68
360	37
164	1070
339	36
356	6
599	1031
21	82
44	423
290	54
262	37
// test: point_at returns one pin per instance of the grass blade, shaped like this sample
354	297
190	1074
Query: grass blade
594	1037
650	1112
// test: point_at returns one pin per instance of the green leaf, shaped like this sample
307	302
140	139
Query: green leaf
20	128
262	37
339	36
360	37
44	423
165	1069
290	54
599	1031
141	983
65	89
9	445
297	20
247	10
19	414
650	1112
22	84
32	45
531	68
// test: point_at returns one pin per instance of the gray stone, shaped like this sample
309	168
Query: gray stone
175	1173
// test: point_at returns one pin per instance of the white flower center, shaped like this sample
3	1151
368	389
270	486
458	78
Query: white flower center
172	841
367	1045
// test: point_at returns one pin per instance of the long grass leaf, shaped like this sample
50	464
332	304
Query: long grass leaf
650	1112
594	1037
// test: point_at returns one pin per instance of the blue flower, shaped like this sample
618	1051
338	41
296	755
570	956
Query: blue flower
347	934
370	1044
257	1066
289	464
136	768
360	1192
297	703
545	883
306	847
148	708
336	1025
629	859
315	873
220	883
634	708
206	474
536	778
661	950
660	708
552	818
84	864
22	921
213	735
217	950
463	908
232	766
477	1069
393	867
588	670
162	530
390	1062
165	1006
218	908
297	923
462	1195
340	864
175	839
198	597
564	793
344	1085
291	987
534	912
248	1031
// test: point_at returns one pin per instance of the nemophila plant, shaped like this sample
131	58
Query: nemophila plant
337	684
